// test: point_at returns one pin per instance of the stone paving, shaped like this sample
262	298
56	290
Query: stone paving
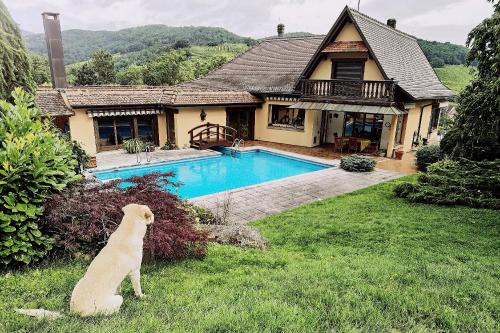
406	166
119	158
257	201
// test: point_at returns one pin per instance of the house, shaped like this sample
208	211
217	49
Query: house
363	79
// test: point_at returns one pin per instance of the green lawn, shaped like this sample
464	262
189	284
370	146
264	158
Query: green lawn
365	261
455	77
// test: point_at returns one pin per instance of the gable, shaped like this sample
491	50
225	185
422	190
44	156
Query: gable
395	55
347	44
348	33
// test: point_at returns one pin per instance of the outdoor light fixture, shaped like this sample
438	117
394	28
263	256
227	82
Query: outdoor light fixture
203	115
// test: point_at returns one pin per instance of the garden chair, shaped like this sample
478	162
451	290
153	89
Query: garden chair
352	144
338	145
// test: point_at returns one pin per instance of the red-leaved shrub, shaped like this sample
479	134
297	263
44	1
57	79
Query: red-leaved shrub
81	219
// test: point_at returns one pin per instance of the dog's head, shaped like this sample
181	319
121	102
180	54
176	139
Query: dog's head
141	211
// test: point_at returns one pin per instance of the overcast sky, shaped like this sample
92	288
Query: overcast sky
442	20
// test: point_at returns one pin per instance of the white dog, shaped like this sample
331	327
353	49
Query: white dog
96	292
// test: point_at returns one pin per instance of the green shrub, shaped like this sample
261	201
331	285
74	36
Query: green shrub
35	160
133	146
428	155
463	182
356	163
169	146
79	154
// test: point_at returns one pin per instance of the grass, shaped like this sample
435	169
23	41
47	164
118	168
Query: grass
455	77
365	261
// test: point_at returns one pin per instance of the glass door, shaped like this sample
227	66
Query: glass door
242	120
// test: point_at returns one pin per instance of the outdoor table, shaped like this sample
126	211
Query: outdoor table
363	143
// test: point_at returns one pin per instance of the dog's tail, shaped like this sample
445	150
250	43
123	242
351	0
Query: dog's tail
40	313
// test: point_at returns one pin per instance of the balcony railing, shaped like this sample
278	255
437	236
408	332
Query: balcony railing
354	90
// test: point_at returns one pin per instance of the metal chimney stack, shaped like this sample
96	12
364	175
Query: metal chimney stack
281	30
53	38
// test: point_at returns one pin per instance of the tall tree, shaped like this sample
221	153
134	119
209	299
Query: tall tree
166	69
476	131
41	70
131	76
104	67
85	75
15	67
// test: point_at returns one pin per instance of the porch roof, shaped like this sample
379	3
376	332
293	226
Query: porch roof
389	110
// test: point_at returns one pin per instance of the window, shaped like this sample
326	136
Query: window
145	129
348	70
282	116
123	129
113	131
434	123
364	125
106	132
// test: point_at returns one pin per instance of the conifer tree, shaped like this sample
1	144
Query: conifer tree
15	66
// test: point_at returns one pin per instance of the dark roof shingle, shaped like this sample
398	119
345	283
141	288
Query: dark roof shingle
401	58
52	103
273	65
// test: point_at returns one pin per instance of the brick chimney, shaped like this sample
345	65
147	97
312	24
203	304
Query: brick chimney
281	30
53	38
392	23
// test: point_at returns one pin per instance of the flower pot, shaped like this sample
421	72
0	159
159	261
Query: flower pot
399	154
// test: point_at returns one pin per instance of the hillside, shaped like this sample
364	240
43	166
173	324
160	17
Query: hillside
440	54
455	77
79	45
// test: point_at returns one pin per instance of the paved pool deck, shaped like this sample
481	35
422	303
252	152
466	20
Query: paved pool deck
254	202
119	158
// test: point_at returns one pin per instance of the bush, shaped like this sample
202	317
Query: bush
428	155
35	160
133	146
356	163
463	182
169	146
201	215
79	154
81	219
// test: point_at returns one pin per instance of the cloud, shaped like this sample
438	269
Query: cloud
443	20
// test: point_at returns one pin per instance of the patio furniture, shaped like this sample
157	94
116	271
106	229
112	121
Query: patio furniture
339	144
363	144
352	144
372	147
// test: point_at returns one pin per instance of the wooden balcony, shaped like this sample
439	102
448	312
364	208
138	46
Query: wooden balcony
369	92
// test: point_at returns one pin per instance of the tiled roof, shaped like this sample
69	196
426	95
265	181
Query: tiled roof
401	58
273	65
345	46
113	95
193	95
51	103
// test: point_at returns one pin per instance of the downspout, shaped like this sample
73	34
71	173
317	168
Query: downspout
420	121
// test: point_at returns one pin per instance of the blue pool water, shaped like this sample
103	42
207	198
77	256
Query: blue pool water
221	173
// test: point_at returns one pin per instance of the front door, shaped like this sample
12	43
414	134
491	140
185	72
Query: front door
242	120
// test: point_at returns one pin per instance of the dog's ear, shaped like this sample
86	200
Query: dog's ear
148	215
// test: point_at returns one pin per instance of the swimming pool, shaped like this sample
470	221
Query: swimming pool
232	169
